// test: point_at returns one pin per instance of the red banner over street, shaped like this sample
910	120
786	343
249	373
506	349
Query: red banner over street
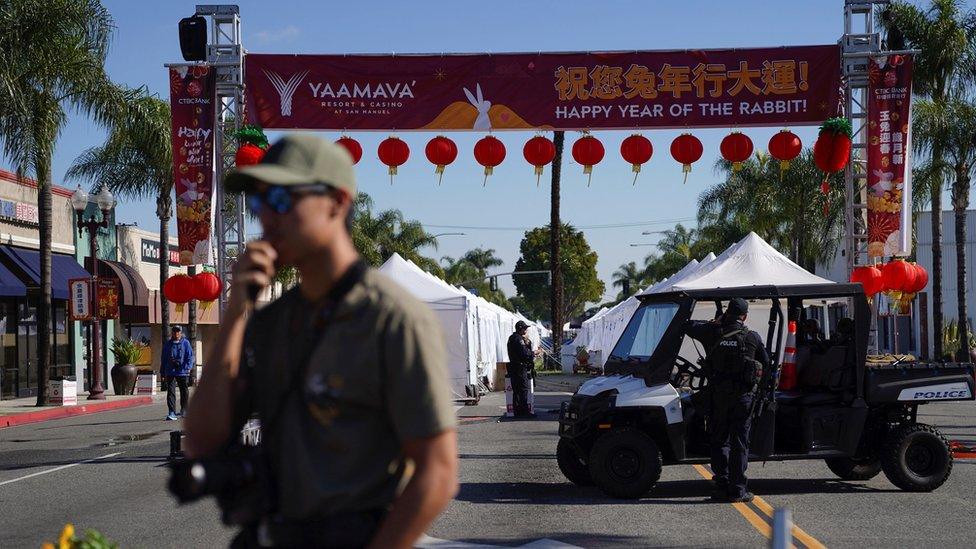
193	91
650	89
889	156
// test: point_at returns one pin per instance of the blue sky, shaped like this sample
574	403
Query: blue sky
146	38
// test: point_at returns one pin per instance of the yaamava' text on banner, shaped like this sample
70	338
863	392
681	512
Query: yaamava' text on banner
649	89
193	92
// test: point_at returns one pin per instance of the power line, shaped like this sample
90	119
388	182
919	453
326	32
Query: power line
580	227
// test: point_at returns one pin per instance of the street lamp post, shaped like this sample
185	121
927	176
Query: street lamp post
446	234
105	201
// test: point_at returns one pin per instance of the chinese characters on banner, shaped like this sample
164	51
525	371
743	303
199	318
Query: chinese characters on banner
659	89
79	299
192	101
107	298
889	156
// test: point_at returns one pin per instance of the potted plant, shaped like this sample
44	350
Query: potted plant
124	372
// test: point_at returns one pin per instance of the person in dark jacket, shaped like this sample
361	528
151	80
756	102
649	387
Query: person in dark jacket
521	363
176	364
736	357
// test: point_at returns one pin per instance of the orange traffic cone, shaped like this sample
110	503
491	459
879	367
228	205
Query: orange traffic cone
787	373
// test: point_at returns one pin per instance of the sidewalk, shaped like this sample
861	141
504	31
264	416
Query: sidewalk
20	411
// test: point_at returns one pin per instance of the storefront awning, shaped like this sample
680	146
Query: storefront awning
26	264
10	285
134	308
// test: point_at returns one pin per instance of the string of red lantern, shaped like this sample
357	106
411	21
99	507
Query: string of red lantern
686	149
870	277
393	152
588	151
489	152
353	146
539	151
441	151
637	150
784	146
736	148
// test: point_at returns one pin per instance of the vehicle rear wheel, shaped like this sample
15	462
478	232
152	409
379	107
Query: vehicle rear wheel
625	463
854	469
916	458
571	463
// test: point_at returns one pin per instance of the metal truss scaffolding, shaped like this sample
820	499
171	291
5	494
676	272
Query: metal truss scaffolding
226	55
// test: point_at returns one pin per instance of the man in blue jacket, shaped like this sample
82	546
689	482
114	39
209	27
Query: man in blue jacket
177	361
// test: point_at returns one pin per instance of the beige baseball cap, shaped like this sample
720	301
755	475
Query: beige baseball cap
297	159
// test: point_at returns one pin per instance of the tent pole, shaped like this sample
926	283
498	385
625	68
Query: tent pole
556	288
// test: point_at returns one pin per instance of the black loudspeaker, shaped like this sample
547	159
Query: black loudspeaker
193	38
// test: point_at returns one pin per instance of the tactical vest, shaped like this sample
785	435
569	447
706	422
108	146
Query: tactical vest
732	360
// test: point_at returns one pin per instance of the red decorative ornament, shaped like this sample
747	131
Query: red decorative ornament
489	152
921	279
539	151
179	288
870	277
353	146
784	146
588	151
248	155
832	150
206	286
687	149
393	152
899	276
736	148
441	151
637	150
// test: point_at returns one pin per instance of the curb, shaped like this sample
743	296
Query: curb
70	411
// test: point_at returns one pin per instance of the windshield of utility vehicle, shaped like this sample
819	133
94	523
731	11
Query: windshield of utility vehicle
644	332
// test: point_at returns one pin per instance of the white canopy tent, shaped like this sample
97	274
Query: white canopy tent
475	331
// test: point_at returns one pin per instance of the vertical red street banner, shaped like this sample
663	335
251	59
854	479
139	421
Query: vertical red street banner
107	298
889	156
193	93
80	299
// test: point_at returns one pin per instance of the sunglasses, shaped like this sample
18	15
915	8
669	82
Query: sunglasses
280	199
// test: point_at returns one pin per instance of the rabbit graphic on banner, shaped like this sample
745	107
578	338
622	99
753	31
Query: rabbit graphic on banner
482	122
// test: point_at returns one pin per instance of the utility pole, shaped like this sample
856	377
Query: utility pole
556	289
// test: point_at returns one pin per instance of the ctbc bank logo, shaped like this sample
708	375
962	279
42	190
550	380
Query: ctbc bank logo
286	88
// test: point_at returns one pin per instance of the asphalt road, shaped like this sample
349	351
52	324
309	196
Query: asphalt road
512	493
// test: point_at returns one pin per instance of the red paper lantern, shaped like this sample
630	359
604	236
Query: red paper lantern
393	152
353	146
736	148
179	288
832	150
539	151
637	150
687	149
248	154
588	151
784	146
489	152
921	279
870	277
441	151
899	276
206	286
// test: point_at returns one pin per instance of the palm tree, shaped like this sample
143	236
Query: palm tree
460	271
787	210
52	60
136	161
630	275
483	259
946	38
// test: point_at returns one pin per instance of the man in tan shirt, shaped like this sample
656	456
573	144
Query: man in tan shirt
346	372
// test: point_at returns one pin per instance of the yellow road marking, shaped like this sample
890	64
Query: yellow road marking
760	523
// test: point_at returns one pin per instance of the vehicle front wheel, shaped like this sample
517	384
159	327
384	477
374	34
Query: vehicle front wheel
854	469
625	463
571	463
916	458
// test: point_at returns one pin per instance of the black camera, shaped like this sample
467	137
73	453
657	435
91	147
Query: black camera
240	479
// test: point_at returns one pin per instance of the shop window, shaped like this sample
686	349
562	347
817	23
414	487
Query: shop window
142	335
61	355
9	375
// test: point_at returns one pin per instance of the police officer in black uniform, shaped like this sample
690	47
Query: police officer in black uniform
736	358
521	363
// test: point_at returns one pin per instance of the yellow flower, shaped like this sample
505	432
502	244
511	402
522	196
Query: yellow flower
48	546
64	542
